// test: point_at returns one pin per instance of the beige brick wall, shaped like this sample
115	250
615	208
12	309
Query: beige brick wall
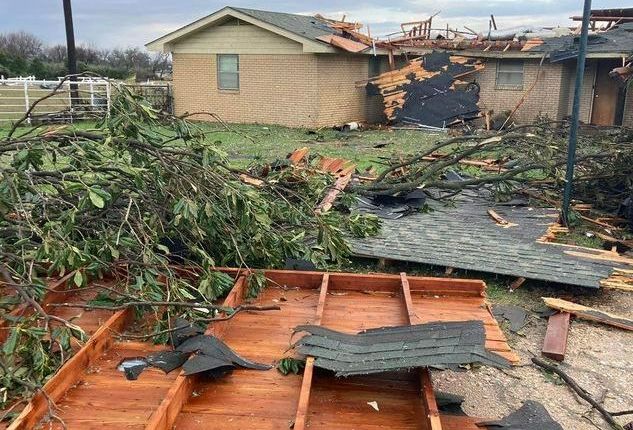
274	89
586	97
627	118
340	100
308	90
544	97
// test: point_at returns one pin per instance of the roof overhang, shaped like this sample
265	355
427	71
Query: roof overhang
165	42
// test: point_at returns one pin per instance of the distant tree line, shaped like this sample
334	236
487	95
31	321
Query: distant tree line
23	54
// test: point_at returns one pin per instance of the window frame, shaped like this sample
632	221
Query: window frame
220	73
500	71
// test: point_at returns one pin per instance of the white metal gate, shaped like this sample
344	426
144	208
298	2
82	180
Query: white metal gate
92	99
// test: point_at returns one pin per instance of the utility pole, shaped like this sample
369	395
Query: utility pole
70	47
575	113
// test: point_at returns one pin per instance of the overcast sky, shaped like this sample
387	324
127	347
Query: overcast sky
123	23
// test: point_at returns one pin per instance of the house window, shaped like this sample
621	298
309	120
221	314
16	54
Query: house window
510	74
228	72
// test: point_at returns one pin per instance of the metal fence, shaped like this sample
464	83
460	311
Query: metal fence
91	99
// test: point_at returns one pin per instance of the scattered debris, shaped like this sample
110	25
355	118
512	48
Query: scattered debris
515	315
374	405
555	343
499	219
392	207
588	313
439	345
531	416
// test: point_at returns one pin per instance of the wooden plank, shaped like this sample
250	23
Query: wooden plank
165	415
370	282
426	384
588	313
555	343
330	197
72	371
306	383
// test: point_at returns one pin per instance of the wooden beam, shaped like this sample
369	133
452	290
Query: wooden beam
306	383
72	372
588	313
555	343
164	417
426	384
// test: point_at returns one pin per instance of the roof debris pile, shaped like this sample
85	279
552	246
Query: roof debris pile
429	90
439	345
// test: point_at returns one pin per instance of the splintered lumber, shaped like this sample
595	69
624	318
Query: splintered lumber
588	313
620	279
328	200
555	343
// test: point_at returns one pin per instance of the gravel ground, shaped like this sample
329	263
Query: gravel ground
599	358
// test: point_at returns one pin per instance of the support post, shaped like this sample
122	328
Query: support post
306	382
71	52
575	114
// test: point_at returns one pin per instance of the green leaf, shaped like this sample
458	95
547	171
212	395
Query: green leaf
78	279
11	342
96	199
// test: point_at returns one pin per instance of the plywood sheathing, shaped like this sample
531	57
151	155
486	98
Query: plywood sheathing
343	43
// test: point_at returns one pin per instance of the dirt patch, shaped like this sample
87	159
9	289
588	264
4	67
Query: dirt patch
598	357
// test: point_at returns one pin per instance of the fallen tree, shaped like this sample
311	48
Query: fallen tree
138	193
530	155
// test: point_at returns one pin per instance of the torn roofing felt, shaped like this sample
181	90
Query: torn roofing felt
531	416
436	344
210	355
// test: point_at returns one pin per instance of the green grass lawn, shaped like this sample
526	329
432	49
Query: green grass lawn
273	142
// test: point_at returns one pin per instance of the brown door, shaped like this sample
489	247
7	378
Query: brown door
605	95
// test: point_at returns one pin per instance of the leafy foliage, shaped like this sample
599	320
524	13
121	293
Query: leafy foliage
289	365
138	194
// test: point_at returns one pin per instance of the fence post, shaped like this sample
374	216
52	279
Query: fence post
108	98
92	96
27	105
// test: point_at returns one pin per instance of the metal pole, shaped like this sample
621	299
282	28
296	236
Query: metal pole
575	113
70	47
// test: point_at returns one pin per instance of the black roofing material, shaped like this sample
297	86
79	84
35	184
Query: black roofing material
392	207
211	346
211	356
435	101
436	344
531	416
464	237
515	315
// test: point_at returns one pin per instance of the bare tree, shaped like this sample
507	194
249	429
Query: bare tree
21	45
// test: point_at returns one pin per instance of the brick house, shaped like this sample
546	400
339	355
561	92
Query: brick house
252	66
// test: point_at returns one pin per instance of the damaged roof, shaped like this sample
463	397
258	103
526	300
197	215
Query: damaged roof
464	236
384	349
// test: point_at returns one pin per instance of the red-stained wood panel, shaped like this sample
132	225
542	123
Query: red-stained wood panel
249	398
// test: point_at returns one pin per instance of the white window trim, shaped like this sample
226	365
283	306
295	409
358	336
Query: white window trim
219	72
502	86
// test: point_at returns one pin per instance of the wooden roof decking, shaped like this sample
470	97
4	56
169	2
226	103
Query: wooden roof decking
99	396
